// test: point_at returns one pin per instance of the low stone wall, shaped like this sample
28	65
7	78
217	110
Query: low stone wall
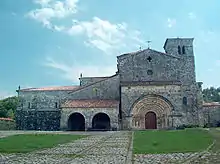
38	120
211	115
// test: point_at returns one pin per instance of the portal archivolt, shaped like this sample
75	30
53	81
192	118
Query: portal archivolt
151	104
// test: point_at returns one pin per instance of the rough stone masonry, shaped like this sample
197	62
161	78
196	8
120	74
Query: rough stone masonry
150	90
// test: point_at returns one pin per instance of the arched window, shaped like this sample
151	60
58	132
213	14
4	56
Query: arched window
179	50
183	50
29	105
184	100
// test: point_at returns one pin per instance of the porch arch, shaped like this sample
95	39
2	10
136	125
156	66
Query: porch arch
151	103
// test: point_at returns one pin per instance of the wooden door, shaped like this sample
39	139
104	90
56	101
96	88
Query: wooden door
150	120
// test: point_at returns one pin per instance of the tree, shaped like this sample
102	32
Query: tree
211	94
3	110
8	106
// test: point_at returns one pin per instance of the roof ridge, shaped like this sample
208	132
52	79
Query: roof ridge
92	84
147	49
48	87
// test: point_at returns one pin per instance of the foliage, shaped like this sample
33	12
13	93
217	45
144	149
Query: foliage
23	143
172	141
211	94
8	107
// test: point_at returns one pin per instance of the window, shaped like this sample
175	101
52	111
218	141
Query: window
149	72
184	101
183	50
179	50
56	105
29	105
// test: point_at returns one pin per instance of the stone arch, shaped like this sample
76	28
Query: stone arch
101	121
151	103
76	122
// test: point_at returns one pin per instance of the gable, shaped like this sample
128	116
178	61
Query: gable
148	65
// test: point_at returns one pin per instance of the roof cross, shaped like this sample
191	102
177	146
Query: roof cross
148	42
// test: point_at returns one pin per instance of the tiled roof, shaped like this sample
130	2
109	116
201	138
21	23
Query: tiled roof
6	119
90	104
211	104
55	88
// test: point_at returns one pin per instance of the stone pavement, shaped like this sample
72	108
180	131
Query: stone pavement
110	147
103	148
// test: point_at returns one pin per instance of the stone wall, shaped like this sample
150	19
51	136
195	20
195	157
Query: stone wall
37	120
89	80
137	67
131	94
88	114
105	89
171	46
210	116
45	105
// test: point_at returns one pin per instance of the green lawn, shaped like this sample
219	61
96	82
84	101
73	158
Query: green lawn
29	142
188	140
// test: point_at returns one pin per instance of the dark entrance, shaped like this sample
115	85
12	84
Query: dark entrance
76	122
101	121
150	120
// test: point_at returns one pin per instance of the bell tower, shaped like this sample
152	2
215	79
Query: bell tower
179	46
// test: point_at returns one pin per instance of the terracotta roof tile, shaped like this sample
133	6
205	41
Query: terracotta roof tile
54	88
91	104
6	119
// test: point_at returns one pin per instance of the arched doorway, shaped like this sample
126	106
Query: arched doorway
101	121
150	120
76	122
153	108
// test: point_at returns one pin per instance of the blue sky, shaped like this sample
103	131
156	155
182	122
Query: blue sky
50	42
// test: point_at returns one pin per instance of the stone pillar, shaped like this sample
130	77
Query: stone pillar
63	120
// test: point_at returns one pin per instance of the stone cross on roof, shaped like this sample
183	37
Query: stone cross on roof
148	42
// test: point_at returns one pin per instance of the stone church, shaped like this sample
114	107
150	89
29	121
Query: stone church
150	90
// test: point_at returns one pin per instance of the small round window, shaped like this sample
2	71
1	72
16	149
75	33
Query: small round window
149	72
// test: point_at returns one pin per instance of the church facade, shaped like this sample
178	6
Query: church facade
150	90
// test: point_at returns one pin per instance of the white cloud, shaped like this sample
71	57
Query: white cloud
51	9
72	72
110	38
5	94
192	15
106	36
171	22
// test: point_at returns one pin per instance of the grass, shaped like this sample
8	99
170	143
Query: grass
7	125
29	142
154	142
216	135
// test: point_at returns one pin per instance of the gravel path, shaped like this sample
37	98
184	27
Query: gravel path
98	149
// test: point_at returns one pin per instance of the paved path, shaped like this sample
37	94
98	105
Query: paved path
110	147
102	148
